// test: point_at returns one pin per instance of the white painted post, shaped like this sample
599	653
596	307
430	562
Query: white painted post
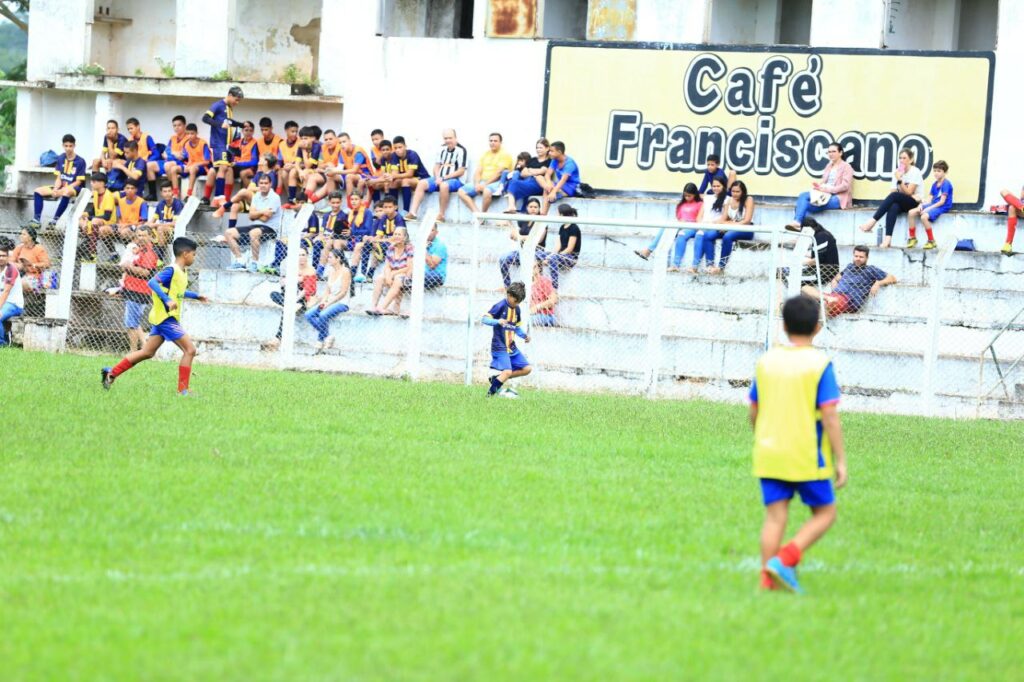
935	324
69	255
181	224
419	271
655	313
291	284
773	296
471	313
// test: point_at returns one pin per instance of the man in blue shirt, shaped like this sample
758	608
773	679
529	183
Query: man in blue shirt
223	130
852	287
562	178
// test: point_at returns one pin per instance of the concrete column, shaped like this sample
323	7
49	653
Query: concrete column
480	9
63	23
1004	168
205	33
672	21
357	20
841	23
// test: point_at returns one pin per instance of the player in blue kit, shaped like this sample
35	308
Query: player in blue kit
223	130
69	176
506	358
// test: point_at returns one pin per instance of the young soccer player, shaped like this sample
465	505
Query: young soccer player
169	291
793	409
69	173
506	358
147	152
383	226
223	130
164	216
197	156
245	159
132	210
111	148
131	167
941	202
96	222
288	160
715	171
176	158
335	234
239	203
268	142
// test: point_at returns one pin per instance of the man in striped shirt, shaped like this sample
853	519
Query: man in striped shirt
446	179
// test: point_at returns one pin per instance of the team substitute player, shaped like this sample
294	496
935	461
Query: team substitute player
223	130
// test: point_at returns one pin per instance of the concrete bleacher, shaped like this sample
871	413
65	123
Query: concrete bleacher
714	327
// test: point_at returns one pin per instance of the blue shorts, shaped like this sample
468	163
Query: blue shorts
162	164
495	187
502	360
933	214
453	185
220	155
170	329
133	312
812	493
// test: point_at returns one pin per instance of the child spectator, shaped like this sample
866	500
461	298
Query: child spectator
739	213
111	148
404	169
69	177
494	166
690	209
306	294
139	266
245	159
397	268
268	142
175	156
524	182
835	191
95	223
704	239
334	230
941	202
715	171
131	167
1014	210
132	211
906	179
543	298
31	258
569	241
798	442
851	288
506	359
357	165
12	297
382	181
519	234
288	156
148	152
561	179
198	156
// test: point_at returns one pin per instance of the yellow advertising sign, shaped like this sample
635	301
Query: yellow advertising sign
643	118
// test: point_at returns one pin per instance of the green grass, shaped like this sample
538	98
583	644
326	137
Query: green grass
310	527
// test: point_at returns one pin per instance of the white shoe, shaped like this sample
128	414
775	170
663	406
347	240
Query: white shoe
318	346
328	342
509	393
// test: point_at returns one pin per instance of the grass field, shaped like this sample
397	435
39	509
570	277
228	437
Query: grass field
293	526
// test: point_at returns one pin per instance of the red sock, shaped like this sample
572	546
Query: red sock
913	232
311	196
121	367
1011	226
790	555
228	190
931	237
1014	201
208	191
184	373
766	580
176	192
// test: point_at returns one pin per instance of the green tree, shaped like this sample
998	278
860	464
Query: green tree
15	11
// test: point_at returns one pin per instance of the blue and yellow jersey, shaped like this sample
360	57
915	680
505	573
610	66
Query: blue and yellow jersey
272	147
132	213
288	152
136	170
198	151
385	227
173	283
329	221
310	158
102	205
176	148
504	339
113	149
246	155
166	212
791	385
70	170
215	116
395	165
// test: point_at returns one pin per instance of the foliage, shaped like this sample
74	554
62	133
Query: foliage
224	75
8	114
166	68
139	71
88	70
291	74
13	46
298	526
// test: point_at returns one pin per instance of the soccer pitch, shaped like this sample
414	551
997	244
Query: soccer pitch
287	526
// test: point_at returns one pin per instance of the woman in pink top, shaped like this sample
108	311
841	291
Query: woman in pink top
836	180
690	209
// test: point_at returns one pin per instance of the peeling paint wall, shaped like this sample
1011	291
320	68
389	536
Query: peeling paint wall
611	20
122	48
512	18
270	35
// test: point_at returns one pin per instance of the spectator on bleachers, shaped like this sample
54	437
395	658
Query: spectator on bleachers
851	288
239	202
561	179
198	157
223	130
519	233
12	297
906	180
489	178
164	217
397	268
382	230
436	259
940	200
266	215
131	167
1015	209
175	157
826	267
111	148
139	265
704	239
148	152
31	258
288	153
715	171
739	213
403	169
95	222
524	183
835	191
381	182
569	242
69	178
330	304
132	211
305	295
543	298
334	230
245	160
689	209
447	178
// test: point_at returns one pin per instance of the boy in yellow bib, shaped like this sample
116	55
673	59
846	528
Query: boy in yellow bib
798	442
170	289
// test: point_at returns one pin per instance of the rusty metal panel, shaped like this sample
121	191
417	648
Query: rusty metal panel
611	20
512	19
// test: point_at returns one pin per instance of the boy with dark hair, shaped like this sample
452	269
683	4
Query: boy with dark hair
288	158
405	169
268	142
307	160
793	409
377	153
69	177
506	358
138	266
941	202
384	227
169	291
245	158
132	210
223	130
175	156
12	294
380	182
239	203
165	215
147	152
111	148
131	167
95	223
335	233
715	171
561	179
198	156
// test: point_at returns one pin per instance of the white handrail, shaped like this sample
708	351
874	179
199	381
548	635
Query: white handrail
68	256
292	232
416	304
